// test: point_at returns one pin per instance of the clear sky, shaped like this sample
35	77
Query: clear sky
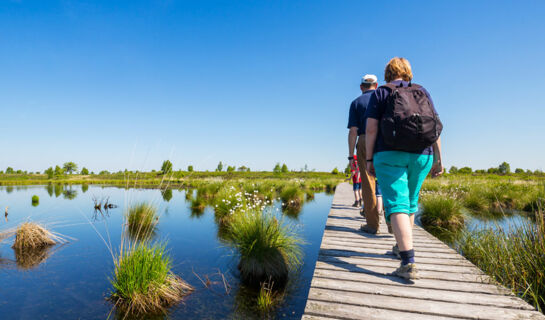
127	84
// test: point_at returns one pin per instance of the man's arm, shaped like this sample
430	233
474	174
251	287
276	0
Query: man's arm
352	137
371	130
437	168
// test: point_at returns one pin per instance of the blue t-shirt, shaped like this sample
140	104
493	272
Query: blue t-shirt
375	110
356	116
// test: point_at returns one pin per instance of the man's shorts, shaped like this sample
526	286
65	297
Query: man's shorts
400	175
356	186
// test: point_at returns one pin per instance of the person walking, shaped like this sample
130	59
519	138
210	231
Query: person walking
356	136
402	145
356	183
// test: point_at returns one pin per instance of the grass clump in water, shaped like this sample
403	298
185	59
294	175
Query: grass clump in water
441	212
292	197
143	282
268	248
267	298
35	200
513	257
141	220
30	235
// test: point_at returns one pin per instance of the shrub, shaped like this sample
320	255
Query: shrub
143	281
35	200
268	248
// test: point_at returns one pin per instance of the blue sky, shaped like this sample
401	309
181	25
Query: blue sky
127	84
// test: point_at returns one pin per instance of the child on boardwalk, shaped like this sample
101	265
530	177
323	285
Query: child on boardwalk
356	182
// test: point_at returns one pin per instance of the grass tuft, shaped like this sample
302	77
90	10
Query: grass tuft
441	212
35	200
30	235
141	220
143	282
268	248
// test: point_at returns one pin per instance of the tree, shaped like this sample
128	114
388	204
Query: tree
481	171
277	168
504	168
453	170
219	167
58	172
104	172
49	173
465	170
190	168
166	168
306	168
70	167
9	170
84	171
230	168
284	168
335	171
167	194
492	170
347	169
243	169
519	170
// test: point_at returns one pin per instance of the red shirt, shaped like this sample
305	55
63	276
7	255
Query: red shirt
356	177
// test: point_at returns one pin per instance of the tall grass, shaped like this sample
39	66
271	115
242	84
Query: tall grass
514	257
141	220
441	212
292	198
35	200
268	248
143	281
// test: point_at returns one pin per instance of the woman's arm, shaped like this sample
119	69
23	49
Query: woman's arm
371	130
437	168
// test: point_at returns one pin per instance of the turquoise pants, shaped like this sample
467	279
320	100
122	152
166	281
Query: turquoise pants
400	176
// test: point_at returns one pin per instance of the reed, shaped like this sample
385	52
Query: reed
30	235
141	220
441	212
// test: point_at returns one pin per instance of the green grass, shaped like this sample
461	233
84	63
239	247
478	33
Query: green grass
143	282
141	219
514	257
268	248
267	298
35	200
441	212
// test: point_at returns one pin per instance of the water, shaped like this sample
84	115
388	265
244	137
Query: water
72	283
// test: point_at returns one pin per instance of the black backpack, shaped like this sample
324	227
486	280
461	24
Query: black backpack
409	122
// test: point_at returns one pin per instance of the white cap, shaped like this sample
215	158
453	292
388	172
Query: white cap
369	78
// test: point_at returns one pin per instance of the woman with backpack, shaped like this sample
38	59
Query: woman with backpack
403	144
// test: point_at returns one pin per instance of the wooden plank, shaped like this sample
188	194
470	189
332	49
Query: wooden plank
352	277
349	312
422	306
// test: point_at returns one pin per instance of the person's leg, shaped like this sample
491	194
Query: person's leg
419	167
401	223
367	190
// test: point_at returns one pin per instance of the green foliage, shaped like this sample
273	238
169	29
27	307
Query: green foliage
50	173
141	219
70	167
347	170
167	194
35	200
465	170
84	171
219	168
493	170
453	170
59	173
230	168
190	168
335	171
519	171
143	281
166	167
504	168
441	212
277	168
104	172
268	248
513	257
284	168
9	170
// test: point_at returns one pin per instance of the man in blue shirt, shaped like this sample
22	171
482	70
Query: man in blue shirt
356	135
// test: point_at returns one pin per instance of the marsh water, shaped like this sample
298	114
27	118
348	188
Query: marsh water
71	281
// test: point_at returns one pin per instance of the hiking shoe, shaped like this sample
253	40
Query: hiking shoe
367	229
407	271
362	212
355	203
395	251
361	203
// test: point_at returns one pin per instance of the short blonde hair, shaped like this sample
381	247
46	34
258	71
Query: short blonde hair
398	68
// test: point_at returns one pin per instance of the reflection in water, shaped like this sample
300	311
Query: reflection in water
70	194
49	189
58	190
167	194
30	258
9	189
84	188
141	234
291	211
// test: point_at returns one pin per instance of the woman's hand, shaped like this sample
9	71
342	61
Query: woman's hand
370	168
437	168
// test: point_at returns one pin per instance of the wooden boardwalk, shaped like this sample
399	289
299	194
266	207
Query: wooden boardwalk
351	278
